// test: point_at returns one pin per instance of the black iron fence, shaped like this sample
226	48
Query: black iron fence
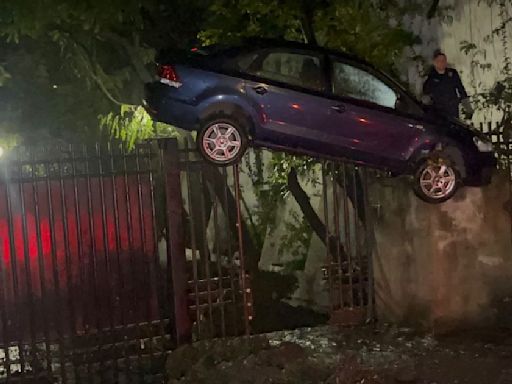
502	141
109	257
104	263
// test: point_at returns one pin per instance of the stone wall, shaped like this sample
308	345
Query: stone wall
445	265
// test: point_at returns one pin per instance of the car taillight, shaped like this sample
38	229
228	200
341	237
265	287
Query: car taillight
167	72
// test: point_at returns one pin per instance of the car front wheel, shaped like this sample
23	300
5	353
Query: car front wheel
222	142
436	180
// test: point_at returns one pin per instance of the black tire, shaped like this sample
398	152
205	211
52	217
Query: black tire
446	189
223	123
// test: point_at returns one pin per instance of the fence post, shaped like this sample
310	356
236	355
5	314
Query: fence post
176	259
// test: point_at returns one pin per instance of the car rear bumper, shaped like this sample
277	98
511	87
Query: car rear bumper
480	170
164	108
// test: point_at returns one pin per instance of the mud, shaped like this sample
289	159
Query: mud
329	355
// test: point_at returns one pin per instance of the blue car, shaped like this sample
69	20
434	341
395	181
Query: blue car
309	100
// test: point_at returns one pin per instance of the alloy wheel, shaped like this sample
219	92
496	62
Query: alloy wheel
221	142
438	181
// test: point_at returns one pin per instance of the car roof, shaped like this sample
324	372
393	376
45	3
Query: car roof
251	44
281	43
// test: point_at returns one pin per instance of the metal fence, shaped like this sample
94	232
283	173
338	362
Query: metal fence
502	142
347	218
96	284
109	257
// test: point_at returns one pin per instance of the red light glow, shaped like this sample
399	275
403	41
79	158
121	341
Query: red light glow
296	106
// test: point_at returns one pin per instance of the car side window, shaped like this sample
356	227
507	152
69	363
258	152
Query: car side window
356	83
297	69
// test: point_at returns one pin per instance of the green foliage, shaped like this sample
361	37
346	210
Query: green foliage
87	58
232	20
133	124
498	97
354	26
295	242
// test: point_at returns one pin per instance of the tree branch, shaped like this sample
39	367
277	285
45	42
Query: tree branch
333	243
131	51
433	9
89	66
307	22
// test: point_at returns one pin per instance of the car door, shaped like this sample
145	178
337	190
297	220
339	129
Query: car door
287	87
375	121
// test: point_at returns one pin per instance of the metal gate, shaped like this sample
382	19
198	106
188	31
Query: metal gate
99	275
349	242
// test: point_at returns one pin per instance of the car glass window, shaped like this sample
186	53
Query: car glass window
290	68
245	61
359	84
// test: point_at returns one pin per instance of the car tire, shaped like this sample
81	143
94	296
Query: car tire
222	141
437	179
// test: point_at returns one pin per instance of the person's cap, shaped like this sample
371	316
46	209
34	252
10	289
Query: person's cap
437	53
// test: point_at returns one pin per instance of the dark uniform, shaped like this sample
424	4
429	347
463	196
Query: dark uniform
446	91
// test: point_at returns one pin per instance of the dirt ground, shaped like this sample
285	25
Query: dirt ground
329	355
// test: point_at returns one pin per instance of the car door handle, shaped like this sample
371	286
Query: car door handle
260	89
340	108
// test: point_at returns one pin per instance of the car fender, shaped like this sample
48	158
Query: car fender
427	148
228	104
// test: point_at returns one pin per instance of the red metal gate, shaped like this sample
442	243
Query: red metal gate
95	279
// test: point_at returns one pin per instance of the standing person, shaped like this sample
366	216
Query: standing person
445	88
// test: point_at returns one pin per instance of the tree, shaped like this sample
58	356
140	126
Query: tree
59	56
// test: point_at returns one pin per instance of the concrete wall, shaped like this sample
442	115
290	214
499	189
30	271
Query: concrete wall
469	20
447	265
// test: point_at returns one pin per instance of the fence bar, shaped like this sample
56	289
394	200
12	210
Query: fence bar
72	297
148	270
370	246
58	316
93	258
232	274
327	240
175	242
192	227
220	274
246	291
337	231
3	274
28	275
160	284
206	254
133	271
348	242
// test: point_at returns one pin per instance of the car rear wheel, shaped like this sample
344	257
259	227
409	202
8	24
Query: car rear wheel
437	179
222	142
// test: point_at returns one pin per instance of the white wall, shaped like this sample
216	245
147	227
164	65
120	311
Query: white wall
473	21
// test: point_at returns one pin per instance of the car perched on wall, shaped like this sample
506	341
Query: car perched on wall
314	101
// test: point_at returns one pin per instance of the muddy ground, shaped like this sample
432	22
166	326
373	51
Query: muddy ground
330	355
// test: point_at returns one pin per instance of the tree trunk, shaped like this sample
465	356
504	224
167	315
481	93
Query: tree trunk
228	202
433	9
307	22
333	243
